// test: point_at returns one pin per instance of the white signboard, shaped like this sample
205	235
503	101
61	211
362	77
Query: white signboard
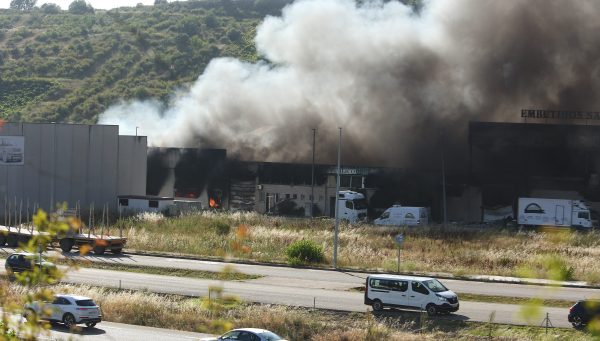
12	150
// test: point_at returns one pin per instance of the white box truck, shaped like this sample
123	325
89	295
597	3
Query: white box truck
553	212
398	215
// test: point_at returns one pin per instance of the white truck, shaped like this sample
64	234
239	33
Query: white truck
553	212
352	206
398	215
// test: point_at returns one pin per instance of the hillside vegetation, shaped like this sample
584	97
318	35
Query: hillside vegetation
65	67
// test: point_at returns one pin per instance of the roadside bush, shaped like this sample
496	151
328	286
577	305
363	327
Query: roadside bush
551	267
221	228
304	251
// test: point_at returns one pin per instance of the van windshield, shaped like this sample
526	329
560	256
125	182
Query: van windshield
435	285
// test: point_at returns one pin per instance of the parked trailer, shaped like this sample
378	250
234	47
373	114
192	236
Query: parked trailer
553	212
13	236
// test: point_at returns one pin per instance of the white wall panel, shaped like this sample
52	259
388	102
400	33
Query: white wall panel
79	165
65	162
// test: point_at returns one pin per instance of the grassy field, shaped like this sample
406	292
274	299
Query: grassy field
455	250
182	313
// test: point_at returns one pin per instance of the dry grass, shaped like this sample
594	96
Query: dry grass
176	312
456	250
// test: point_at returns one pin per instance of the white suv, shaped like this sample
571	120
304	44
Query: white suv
68	309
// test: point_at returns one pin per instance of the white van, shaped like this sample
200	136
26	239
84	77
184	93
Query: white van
403	216
422	293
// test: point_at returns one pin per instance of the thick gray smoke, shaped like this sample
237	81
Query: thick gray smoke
396	81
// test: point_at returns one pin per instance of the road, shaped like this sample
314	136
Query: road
293	294
117	331
319	288
120	331
338	280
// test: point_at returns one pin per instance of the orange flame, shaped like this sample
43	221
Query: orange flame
212	203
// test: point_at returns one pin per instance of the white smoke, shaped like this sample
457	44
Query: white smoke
390	77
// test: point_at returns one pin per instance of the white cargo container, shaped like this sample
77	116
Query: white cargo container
553	212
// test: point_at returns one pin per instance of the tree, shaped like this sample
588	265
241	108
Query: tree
23	5
160	2
49	8
80	7
36	281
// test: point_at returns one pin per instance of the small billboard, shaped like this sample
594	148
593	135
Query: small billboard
12	150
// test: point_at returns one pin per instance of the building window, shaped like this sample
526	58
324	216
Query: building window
287	196
301	196
294	196
153	203
123	202
345	181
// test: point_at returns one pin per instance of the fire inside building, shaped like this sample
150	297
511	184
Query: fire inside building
553	159
505	161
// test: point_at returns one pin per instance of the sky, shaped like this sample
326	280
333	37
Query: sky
99	4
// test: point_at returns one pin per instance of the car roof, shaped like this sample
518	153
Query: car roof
74	297
409	278
253	330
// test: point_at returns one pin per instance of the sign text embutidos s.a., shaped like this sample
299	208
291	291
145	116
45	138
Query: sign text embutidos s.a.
560	114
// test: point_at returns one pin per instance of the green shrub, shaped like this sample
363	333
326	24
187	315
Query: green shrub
221	228
304	251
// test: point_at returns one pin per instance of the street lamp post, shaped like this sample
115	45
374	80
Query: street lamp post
312	177
337	195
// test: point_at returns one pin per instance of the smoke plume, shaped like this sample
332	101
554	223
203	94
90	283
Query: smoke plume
401	84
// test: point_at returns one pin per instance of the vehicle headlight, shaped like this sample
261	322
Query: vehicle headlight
442	298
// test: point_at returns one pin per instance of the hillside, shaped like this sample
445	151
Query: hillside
63	67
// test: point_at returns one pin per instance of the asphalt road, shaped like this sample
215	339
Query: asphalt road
337	280
116	331
295	295
319	288
120	331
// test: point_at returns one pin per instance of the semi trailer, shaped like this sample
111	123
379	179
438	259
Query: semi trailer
553	212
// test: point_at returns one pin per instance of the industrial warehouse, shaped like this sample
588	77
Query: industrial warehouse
45	164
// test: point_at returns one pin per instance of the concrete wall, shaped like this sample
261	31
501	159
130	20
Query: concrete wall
301	192
72	163
132	165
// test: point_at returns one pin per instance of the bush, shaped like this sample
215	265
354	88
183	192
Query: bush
221	227
304	251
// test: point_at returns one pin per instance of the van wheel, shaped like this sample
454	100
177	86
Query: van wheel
377	305
431	309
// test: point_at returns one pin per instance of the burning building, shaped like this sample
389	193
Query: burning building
188	174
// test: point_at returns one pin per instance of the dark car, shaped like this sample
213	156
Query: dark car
583	312
24	261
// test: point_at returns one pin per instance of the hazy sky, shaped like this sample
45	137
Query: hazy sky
100	4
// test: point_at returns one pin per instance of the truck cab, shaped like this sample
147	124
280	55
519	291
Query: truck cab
581	215
352	206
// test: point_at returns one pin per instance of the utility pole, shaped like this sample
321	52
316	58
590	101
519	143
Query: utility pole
312	177
444	189
337	196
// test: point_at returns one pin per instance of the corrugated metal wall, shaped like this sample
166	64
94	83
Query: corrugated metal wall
73	163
